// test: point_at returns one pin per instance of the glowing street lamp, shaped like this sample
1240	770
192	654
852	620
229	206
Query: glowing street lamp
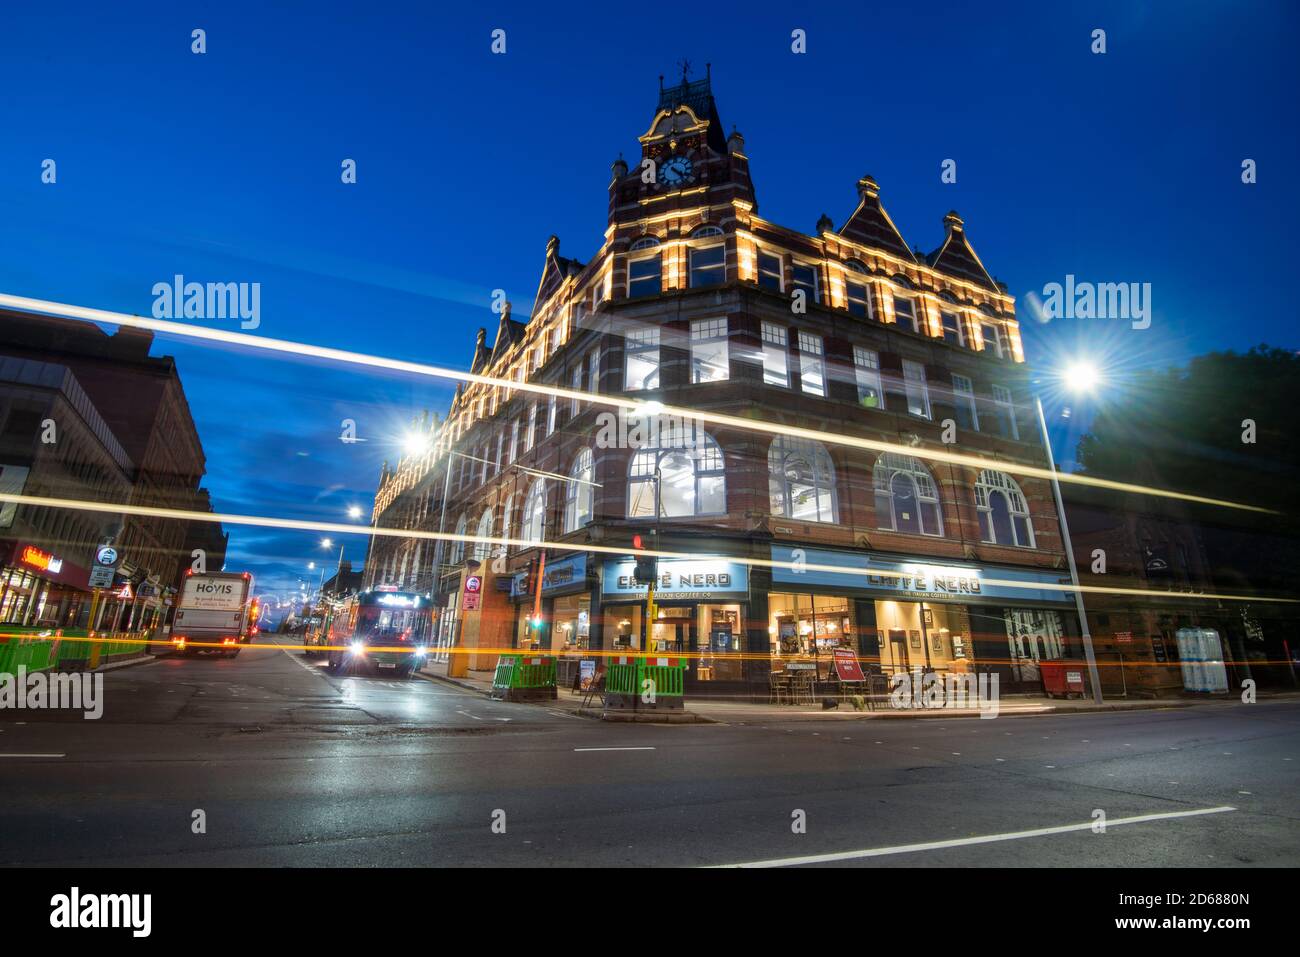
1080	377
354	511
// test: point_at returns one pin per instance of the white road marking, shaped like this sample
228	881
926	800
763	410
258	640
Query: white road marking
968	841
613	749
468	715
33	755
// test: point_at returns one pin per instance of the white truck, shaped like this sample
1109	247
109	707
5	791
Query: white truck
216	613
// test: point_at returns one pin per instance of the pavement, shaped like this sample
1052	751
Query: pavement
267	760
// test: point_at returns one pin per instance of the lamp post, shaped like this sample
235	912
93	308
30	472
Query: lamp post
1084	377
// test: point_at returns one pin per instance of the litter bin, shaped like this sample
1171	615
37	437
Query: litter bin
1063	678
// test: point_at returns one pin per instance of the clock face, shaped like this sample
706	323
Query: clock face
676	170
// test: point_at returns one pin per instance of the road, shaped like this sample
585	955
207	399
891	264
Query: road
293	767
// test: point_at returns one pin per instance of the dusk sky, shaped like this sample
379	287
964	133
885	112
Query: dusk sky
1122	167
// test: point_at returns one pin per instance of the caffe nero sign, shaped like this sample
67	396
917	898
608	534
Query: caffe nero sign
680	579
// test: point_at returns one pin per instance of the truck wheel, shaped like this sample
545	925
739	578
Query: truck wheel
332	665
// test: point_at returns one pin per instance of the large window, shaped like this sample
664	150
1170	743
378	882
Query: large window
906	498
963	400
856	291
992	338
905	312
709	350
804	276
482	550
1003	512
866	370
776	355
812	364
1004	413
514	441
534	519
954	332
643	271
801	480
708	262
578	497
691	468
641	366
769	272
530	437
507	517
918	393
457	554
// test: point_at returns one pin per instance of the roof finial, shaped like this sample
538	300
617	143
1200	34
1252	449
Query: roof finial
685	64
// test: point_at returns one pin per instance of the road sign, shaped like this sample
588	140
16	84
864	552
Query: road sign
1124	636
473	592
101	576
107	555
124	591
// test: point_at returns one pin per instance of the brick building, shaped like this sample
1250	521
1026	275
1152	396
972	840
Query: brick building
694	300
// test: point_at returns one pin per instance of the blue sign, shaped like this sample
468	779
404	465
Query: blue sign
560	575
680	579
892	578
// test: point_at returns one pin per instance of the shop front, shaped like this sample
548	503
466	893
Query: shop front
39	588
701	612
564	624
903	615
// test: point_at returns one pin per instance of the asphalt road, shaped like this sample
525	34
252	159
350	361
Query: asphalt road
293	767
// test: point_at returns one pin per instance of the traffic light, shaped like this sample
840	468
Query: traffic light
647	568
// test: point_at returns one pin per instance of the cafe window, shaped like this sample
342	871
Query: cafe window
906	498
801	480
572	617
1003	511
691	474
579	494
808	628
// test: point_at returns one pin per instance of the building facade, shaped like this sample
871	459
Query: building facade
122	432
796	545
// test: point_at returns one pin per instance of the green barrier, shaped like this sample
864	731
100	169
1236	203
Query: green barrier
40	654
621	676
628	678
519	676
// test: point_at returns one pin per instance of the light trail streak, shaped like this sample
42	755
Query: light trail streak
289	347
625	552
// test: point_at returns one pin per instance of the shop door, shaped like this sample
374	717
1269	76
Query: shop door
898	649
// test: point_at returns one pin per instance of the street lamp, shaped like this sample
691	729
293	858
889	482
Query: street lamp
1079	377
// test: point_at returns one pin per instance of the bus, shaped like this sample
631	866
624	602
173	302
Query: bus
381	630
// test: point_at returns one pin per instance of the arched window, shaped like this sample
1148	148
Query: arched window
483	550
906	498
690	467
533	526
578	497
707	260
643	271
801	480
1003	511
458	546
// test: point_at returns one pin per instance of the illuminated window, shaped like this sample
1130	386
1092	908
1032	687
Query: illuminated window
690	465
866	370
906	499
1003	511
641	360
776	348
812	364
709	360
801	480
534	518
579	495
918	393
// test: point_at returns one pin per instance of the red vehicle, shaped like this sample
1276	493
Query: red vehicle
216	613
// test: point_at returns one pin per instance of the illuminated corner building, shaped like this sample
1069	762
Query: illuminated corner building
695	300
125	434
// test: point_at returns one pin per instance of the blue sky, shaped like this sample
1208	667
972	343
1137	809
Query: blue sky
1122	167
